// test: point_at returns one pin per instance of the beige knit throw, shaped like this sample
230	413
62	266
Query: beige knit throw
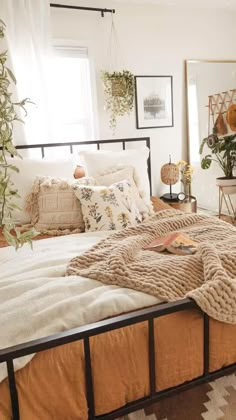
208	276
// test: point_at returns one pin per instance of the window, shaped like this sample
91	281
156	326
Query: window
71	95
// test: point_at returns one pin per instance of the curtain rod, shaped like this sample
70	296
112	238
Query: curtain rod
92	9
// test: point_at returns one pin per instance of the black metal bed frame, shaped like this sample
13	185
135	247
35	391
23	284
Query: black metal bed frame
86	332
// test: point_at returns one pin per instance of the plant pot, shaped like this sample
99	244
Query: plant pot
118	87
228	184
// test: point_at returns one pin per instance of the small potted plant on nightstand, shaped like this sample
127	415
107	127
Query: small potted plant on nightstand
186	174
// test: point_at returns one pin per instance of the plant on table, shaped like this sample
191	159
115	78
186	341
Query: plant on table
8	192
223	151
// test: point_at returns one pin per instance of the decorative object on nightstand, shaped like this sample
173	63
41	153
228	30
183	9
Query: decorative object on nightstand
186	173
170	176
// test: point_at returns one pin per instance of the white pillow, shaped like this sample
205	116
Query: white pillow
107	208
96	162
119	173
29	169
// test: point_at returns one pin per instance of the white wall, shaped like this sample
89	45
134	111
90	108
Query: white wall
154	40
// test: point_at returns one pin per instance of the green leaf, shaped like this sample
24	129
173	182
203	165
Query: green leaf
11	75
206	162
13	206
27	236
11	240
204	141
11	149
14	168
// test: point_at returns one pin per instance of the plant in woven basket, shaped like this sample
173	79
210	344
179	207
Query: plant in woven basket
8	192
119	93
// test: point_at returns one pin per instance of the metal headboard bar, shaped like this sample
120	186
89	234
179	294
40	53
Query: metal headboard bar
43	146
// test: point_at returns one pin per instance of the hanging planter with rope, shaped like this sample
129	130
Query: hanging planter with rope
119	86
119	93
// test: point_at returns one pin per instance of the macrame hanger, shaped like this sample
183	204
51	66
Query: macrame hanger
115	58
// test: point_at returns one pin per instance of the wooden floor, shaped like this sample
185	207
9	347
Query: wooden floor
225	217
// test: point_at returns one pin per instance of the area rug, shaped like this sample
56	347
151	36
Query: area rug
211	401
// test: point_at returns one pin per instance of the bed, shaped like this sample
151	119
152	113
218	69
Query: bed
96	369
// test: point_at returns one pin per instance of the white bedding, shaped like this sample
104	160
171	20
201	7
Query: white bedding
37	300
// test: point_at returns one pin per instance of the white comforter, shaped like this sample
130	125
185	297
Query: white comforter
37	300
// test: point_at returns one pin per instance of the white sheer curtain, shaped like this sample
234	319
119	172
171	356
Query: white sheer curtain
28	39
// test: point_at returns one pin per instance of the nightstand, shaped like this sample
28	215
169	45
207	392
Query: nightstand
189	205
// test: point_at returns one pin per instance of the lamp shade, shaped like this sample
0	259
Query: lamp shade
170	173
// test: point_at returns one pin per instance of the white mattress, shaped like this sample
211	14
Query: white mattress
36	299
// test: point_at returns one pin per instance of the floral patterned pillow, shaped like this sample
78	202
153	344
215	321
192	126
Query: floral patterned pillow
107	208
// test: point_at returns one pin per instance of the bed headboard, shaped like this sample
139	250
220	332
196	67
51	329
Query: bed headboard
98	143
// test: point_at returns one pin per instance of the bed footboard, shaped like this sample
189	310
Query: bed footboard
84	333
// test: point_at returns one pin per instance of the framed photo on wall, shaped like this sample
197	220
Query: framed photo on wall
154	101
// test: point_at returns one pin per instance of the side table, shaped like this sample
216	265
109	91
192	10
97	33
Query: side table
225	193
189	205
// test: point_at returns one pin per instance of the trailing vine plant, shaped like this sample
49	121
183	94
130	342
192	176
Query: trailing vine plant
8	191
119	94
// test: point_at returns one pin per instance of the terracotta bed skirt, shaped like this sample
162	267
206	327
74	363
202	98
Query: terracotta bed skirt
52	385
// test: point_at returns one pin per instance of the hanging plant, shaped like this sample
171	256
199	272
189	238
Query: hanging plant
119	94
8	116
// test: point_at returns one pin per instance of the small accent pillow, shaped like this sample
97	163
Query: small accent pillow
119	173
53	207
107	208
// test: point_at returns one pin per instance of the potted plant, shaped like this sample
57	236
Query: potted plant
8	116
223	151
119	93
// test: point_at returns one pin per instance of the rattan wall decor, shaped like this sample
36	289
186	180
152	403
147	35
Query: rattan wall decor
222	112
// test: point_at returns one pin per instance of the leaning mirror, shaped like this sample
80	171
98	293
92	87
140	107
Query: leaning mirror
211	93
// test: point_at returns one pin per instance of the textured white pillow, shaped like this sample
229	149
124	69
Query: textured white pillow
53	206
119	173
96	162
29	169
107	208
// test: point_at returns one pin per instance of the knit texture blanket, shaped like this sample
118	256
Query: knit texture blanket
208	276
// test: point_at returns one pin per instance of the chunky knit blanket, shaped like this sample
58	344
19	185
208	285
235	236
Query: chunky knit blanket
208	276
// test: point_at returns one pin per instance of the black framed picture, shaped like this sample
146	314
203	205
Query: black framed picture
154	101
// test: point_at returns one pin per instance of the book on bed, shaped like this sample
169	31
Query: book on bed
176	243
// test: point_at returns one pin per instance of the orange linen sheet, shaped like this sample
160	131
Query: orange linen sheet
52	385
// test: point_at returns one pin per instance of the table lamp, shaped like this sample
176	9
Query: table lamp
170	176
